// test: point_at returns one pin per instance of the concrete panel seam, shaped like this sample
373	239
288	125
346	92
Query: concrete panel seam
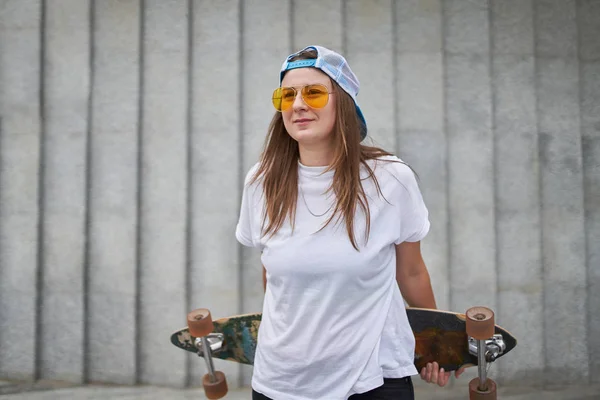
583	187
189	169
539	173
494	152
39	332
88	189
240	150
396	78
139	194
344	27
444	54
292	27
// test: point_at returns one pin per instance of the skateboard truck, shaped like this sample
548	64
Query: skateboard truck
201	326
214	341
480	328
494	347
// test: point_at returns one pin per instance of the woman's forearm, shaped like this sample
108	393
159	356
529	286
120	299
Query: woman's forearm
417	291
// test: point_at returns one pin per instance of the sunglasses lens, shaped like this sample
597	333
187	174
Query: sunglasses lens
277	99
315	96
288	96
283	98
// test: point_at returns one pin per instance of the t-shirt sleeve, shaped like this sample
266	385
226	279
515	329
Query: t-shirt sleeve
246	228
414	216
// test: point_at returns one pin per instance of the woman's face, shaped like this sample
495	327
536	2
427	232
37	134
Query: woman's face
309	126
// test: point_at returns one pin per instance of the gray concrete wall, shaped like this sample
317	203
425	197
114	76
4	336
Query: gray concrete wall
126	128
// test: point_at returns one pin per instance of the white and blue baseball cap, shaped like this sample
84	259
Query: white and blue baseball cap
337	68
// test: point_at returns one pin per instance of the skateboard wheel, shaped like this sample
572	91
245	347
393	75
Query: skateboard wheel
200	322
480	323
476	394
216	389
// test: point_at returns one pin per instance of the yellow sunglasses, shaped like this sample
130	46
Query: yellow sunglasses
315	96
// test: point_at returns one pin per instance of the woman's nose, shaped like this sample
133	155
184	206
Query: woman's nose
299	103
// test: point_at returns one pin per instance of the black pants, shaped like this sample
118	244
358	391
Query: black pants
392	389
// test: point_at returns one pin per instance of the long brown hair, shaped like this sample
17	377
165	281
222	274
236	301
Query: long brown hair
278	168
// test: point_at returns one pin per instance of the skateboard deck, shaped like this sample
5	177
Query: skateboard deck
440	336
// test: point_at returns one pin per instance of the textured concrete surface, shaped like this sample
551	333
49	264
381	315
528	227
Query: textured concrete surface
112	286
420	120
20	135
163	189
517	189
376	18
468	105
589	30
64	147
563	233
214	269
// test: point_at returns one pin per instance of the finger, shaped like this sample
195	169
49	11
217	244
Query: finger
423	373
459	372
429	372
435	372
444	376
440	379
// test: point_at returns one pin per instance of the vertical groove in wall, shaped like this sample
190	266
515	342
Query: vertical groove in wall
495	164
540	179
87	195
395	78
447	160
189	181
292	29
241	162
344	26
138	251
583	177
39	326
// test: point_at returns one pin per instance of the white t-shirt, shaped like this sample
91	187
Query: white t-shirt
334	322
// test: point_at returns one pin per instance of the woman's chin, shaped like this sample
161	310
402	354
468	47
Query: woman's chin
308	136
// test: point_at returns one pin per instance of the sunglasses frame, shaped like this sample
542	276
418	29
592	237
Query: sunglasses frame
302	94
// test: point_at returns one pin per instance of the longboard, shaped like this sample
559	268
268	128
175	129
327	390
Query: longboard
440	336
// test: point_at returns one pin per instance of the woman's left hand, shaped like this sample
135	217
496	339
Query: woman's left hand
432	373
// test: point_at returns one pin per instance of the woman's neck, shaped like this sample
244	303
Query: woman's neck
315	157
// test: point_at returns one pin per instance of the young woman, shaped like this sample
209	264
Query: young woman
339	225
